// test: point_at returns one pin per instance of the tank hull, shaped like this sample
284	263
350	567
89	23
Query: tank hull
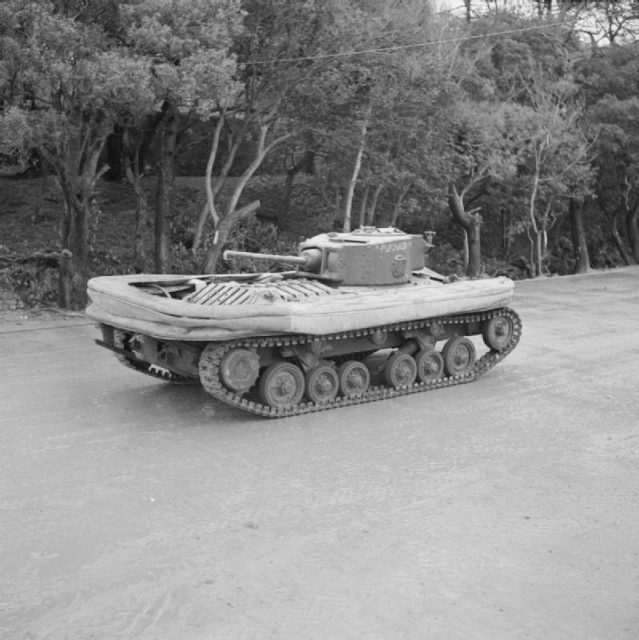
279	345
131	303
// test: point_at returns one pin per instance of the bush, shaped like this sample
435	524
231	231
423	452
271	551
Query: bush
445	259
255	236
35	286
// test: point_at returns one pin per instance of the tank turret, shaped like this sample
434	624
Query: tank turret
366	256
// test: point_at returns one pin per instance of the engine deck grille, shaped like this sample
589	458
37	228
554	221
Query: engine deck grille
237	293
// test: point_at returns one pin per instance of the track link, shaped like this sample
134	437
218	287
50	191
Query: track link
212	357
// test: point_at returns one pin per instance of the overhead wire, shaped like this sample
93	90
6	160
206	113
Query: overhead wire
400	47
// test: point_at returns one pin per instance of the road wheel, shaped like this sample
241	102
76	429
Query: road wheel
459	355
400	370
322	383
281	385
354	378
430	365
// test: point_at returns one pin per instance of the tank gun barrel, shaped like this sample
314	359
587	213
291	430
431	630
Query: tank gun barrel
266	256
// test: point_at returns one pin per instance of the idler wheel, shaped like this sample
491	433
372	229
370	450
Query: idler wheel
322	383
498	332
430	365
282	385
459	355
240	369
400	370
354	378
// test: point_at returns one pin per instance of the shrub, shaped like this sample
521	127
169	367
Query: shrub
36	286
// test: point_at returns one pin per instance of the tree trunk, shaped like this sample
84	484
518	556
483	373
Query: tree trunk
471	224
78	193
348	200
115	150
539	253
395	214
535	238
465	250
474	246
222	233
362	205
370	215
74	259
77	172
214	253
213	188
633	232
164	194
143	228
305	163
580	248
397	207
65	280
616	236
232	214
146	136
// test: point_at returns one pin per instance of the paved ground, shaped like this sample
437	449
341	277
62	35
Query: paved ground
505	509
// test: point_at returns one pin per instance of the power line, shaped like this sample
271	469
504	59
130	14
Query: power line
400	47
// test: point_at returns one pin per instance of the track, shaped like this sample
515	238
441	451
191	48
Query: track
212	357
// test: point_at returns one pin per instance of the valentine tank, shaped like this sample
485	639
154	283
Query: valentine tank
359	318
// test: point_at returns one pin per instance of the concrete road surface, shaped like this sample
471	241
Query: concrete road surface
503	509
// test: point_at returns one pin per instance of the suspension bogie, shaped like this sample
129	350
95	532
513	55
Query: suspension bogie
324	369
283	375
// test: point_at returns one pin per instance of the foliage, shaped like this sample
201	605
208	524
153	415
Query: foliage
186	42
538	149
66	83
611	91
34	284
353	107
372	116
259	237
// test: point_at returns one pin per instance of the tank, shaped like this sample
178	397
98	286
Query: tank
358	317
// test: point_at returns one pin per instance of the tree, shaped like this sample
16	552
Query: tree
66	83
407	155
606	22
610	85
486	144
372	111
618	161
188	44
530	73
276	55
555	165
